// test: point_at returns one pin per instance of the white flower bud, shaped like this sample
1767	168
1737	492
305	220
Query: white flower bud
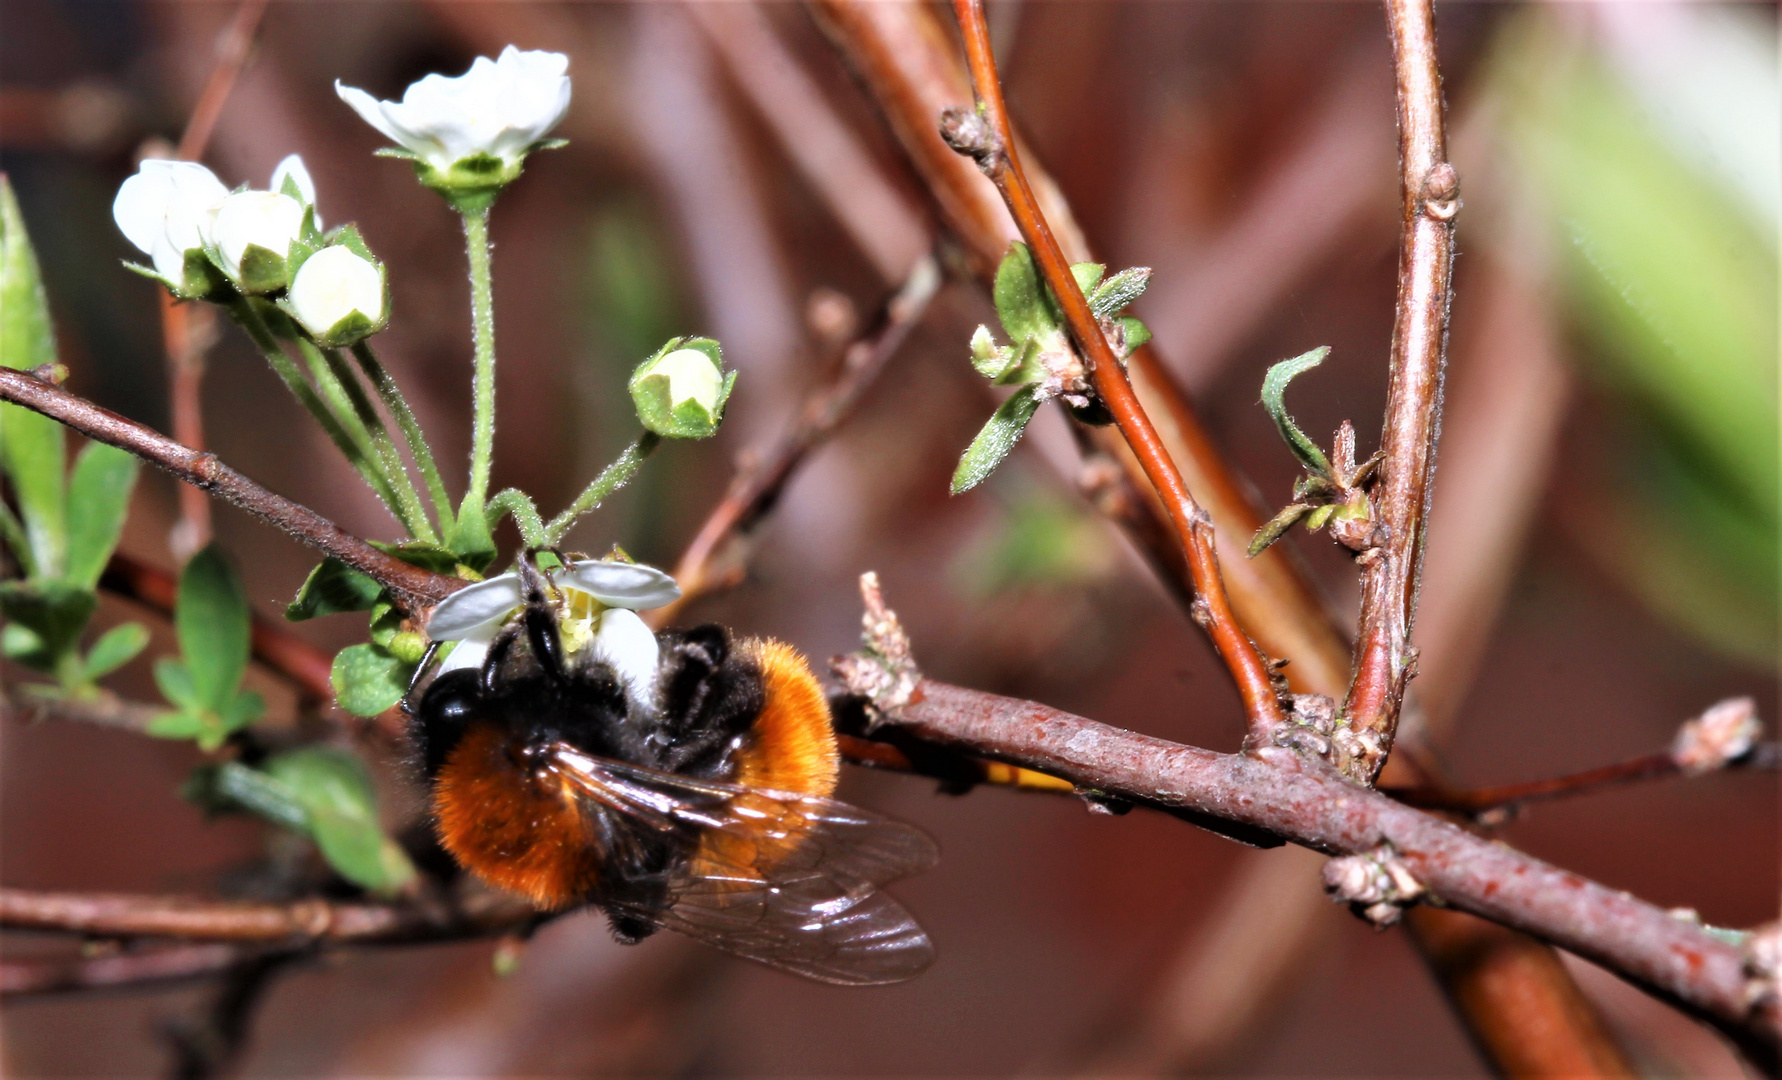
680	392
163	209
501	108
247	220
338	296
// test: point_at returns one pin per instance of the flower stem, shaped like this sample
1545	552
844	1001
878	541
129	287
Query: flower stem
413	515
357	453
525	511
393	400
611	479
482	317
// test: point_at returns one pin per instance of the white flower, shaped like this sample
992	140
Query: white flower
162	210
331	287
502	108
292	169
254	219
601	599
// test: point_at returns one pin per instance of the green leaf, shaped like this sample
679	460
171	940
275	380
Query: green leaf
211	619
98	501
1320	517
1021	301
333	588
1136	333
30	444
174	681
1276	527
1114	294
1274	386
115	648
200	724
386	621
44	622
367	680
472	542
341	806
231	787
1087	275
997	438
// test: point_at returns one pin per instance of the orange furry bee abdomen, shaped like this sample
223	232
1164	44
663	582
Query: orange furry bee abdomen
506	815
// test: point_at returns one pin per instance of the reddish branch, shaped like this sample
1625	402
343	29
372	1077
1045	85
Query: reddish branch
20	978
1430	196
1300	799
303	922
413	588
187	330
991	141
756	489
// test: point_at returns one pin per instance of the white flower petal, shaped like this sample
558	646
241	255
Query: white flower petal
628	645
292	166
465	654
371	111
620	584
459	616
165	204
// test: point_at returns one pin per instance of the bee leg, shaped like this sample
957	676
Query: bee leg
408	696
541	633
490	676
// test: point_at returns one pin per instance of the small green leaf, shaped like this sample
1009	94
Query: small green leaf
30	444
1135	333
1276	527
1088	276
471	541
184	724
233	787
44	621
341	806
98	500
997	438
1274	386
1021	301
211	619
989	359
175	683
1114	294
333	588
386	621
367	680
1320	517
115	648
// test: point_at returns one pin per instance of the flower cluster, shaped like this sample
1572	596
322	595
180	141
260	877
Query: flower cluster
204	240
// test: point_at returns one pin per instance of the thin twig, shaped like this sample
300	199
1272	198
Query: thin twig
189	330
992	142
755	489
302	922
414	589
148	967
1278	792
1479	802
1430	198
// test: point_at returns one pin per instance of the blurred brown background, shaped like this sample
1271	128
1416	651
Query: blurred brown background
1244	150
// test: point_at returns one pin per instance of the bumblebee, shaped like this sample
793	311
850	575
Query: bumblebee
678	780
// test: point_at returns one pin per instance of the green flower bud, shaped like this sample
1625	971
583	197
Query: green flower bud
680	392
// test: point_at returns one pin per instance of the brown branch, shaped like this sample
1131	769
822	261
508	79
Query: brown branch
414	589
757	488
303	664
150	967
1384	657
1280	793
991	141
302	922
232	55
189	330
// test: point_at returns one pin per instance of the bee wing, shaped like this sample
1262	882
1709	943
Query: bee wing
785	879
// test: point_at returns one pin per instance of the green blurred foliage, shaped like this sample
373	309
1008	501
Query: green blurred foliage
67	524
213	623
1673	282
